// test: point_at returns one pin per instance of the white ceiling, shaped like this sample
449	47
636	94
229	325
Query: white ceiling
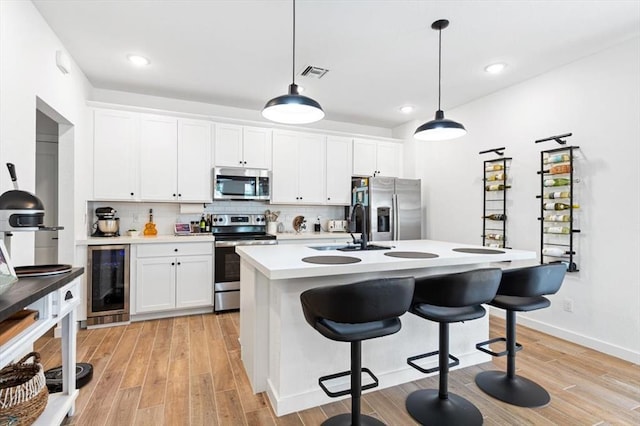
381	54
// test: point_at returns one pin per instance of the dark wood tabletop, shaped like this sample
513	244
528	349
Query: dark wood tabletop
27	290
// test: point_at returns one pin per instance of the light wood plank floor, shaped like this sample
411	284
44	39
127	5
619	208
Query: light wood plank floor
187	371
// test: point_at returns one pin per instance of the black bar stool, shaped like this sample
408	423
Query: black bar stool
446	299
520	290
353	313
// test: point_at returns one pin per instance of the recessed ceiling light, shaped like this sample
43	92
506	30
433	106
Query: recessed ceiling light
406	109
138	60
495	68
300	89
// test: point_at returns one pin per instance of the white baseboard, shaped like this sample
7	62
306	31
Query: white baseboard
171	313
577	338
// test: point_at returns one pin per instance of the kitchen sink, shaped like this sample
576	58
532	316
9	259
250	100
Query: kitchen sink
369	247
349	247
332	247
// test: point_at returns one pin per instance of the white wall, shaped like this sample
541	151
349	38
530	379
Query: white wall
598	100
28	72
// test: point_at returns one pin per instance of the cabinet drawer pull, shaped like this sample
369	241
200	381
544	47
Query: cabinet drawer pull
68	296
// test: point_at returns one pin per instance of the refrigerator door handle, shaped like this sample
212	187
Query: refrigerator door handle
396	217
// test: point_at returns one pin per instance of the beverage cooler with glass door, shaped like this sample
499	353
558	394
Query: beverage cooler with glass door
108	284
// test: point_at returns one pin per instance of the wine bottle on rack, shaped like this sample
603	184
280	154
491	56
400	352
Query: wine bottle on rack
496	216
554	251
556	230
559	206
559	182
559	158
494	167
497	176
498	237
496	187
557	194
559	169
557	218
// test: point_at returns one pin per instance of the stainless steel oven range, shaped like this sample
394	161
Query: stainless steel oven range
231	230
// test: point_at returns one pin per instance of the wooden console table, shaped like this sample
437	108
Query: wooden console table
55	297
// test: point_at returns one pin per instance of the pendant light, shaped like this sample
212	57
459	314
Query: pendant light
440	128
293	108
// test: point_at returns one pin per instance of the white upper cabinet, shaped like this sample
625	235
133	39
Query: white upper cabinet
228	146
298	175
376	158
115	155
238	146
158	151
256	148
338	171
194	160
144	157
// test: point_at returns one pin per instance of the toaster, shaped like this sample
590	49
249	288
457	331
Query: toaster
338	226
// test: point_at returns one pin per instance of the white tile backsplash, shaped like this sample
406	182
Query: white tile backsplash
134	215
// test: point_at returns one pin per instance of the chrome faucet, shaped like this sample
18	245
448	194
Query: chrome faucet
352	225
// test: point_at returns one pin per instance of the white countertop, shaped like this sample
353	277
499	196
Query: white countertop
98	241
285	261
313	235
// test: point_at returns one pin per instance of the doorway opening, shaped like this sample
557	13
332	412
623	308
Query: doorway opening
54	185
46	243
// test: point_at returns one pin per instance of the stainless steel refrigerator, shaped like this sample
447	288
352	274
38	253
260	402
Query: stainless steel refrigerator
394	207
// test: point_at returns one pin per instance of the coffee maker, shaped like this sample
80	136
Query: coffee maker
107	224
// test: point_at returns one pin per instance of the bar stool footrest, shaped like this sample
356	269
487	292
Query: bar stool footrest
455	361
480	346
346	391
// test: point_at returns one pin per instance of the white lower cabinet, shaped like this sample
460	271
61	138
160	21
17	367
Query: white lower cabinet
173	276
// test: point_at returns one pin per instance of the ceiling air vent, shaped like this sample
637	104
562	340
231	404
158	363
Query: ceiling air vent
314	72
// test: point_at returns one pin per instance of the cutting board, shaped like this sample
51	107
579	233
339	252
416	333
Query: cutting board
17	323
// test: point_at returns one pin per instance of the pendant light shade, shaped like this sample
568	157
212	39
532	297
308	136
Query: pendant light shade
293	108
440	128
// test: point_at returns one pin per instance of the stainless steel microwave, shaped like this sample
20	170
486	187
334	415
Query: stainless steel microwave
237	183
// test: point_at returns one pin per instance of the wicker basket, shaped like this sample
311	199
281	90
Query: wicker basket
23	390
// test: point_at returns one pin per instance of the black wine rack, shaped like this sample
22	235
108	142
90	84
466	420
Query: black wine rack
494	200
559	163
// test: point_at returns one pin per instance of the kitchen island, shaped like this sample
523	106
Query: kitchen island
284	356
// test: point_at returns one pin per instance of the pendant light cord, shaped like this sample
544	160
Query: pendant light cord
293	64
439	66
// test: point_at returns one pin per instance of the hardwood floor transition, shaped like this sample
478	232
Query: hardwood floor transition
187	371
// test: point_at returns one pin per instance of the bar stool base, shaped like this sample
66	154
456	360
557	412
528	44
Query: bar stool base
517	391
345	420
426	407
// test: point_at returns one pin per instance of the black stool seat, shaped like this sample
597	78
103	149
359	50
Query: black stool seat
446	314
446	299
353	313
522	304
360	331
521	290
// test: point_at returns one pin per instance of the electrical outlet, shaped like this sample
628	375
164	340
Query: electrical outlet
567	305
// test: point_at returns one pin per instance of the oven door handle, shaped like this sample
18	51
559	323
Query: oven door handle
245	243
